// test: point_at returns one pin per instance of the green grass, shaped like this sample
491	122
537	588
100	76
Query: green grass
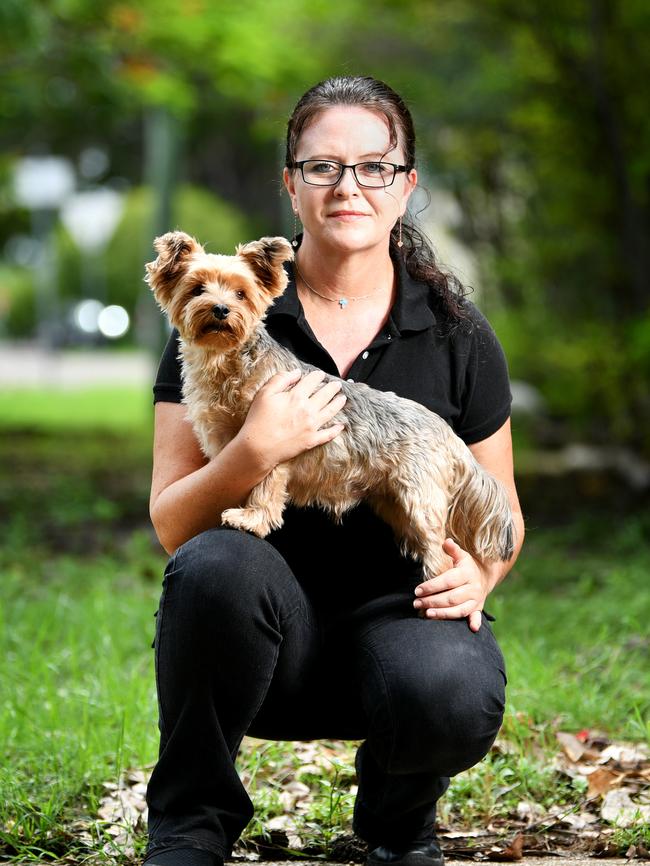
80	576
77	682
121	409
572	619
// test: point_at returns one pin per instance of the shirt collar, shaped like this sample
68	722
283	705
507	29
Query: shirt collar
411	310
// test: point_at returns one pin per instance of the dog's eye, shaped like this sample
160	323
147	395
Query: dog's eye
198	290
240	295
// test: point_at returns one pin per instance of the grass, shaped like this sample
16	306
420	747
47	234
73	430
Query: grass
78	687
572	621
78	409
80	576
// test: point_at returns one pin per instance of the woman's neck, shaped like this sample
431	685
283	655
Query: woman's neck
340	274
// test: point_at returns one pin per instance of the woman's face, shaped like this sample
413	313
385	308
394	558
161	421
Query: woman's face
347	216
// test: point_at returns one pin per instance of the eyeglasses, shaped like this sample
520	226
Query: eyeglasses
326	172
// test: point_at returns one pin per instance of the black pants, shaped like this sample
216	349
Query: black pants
240	650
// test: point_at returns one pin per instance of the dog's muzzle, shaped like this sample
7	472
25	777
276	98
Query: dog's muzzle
220	311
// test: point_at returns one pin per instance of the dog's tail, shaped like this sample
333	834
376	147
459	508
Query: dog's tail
480	517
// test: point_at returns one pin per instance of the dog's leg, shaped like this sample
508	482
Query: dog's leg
264	506
419	522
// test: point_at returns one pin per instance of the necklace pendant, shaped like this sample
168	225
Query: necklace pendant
343	302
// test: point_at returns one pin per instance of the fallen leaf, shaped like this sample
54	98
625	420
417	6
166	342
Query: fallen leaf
626	756
571	745
601	780
619	808
514	851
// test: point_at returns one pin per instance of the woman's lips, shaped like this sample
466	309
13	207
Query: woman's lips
347	215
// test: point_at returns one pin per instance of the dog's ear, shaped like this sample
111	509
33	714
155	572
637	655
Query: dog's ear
265	258
174	250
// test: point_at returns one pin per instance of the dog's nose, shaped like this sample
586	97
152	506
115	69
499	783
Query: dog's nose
220	311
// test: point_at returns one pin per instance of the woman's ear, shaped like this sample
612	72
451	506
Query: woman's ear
409	187
287	177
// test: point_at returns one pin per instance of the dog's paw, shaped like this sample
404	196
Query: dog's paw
253	520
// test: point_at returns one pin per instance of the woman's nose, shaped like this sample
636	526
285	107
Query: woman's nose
347	183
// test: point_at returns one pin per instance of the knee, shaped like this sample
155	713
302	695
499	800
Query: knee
447	722
224	568
471	717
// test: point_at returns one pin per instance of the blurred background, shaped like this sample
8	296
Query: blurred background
122	119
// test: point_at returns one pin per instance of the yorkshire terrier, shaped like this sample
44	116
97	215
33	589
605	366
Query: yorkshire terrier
403	460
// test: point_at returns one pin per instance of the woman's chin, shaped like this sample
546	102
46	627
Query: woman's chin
350	237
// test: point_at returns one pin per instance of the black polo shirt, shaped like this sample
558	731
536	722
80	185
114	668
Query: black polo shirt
460	373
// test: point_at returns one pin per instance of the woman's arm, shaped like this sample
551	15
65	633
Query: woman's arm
189	492
462	589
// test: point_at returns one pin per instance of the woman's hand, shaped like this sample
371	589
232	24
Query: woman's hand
458	592
290	414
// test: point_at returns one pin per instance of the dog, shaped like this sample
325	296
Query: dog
402	459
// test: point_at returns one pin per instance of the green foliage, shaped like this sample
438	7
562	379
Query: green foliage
595	375
624	837
118	278
534	117
80	468
17	301
215	223
500	782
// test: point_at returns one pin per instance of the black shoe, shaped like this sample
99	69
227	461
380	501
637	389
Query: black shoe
415	854
184	857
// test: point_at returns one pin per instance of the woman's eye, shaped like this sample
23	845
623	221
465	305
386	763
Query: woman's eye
322	167
198	290
240	295
372	167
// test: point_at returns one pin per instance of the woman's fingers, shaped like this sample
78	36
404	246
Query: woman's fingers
326	434
324	395
443	599
457	612
309	383
332	408
326	400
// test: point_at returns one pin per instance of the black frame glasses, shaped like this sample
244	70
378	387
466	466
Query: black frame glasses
384	182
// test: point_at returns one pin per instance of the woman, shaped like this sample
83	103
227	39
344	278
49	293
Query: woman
324	630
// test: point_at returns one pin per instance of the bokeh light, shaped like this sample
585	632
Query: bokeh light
113	321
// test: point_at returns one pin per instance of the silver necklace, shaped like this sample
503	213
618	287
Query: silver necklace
342	302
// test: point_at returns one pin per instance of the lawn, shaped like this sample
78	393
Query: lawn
80	575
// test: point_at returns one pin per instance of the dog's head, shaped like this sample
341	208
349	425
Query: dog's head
216	301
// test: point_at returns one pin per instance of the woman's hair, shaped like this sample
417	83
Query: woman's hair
375	95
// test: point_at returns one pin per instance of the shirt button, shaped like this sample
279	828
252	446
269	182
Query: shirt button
390	336
365	355
350	380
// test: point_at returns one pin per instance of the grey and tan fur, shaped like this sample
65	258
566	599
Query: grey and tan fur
399	457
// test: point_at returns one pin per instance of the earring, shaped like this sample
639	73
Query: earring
294	242
400	243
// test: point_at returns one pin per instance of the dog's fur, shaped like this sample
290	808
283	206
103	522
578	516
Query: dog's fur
402	459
